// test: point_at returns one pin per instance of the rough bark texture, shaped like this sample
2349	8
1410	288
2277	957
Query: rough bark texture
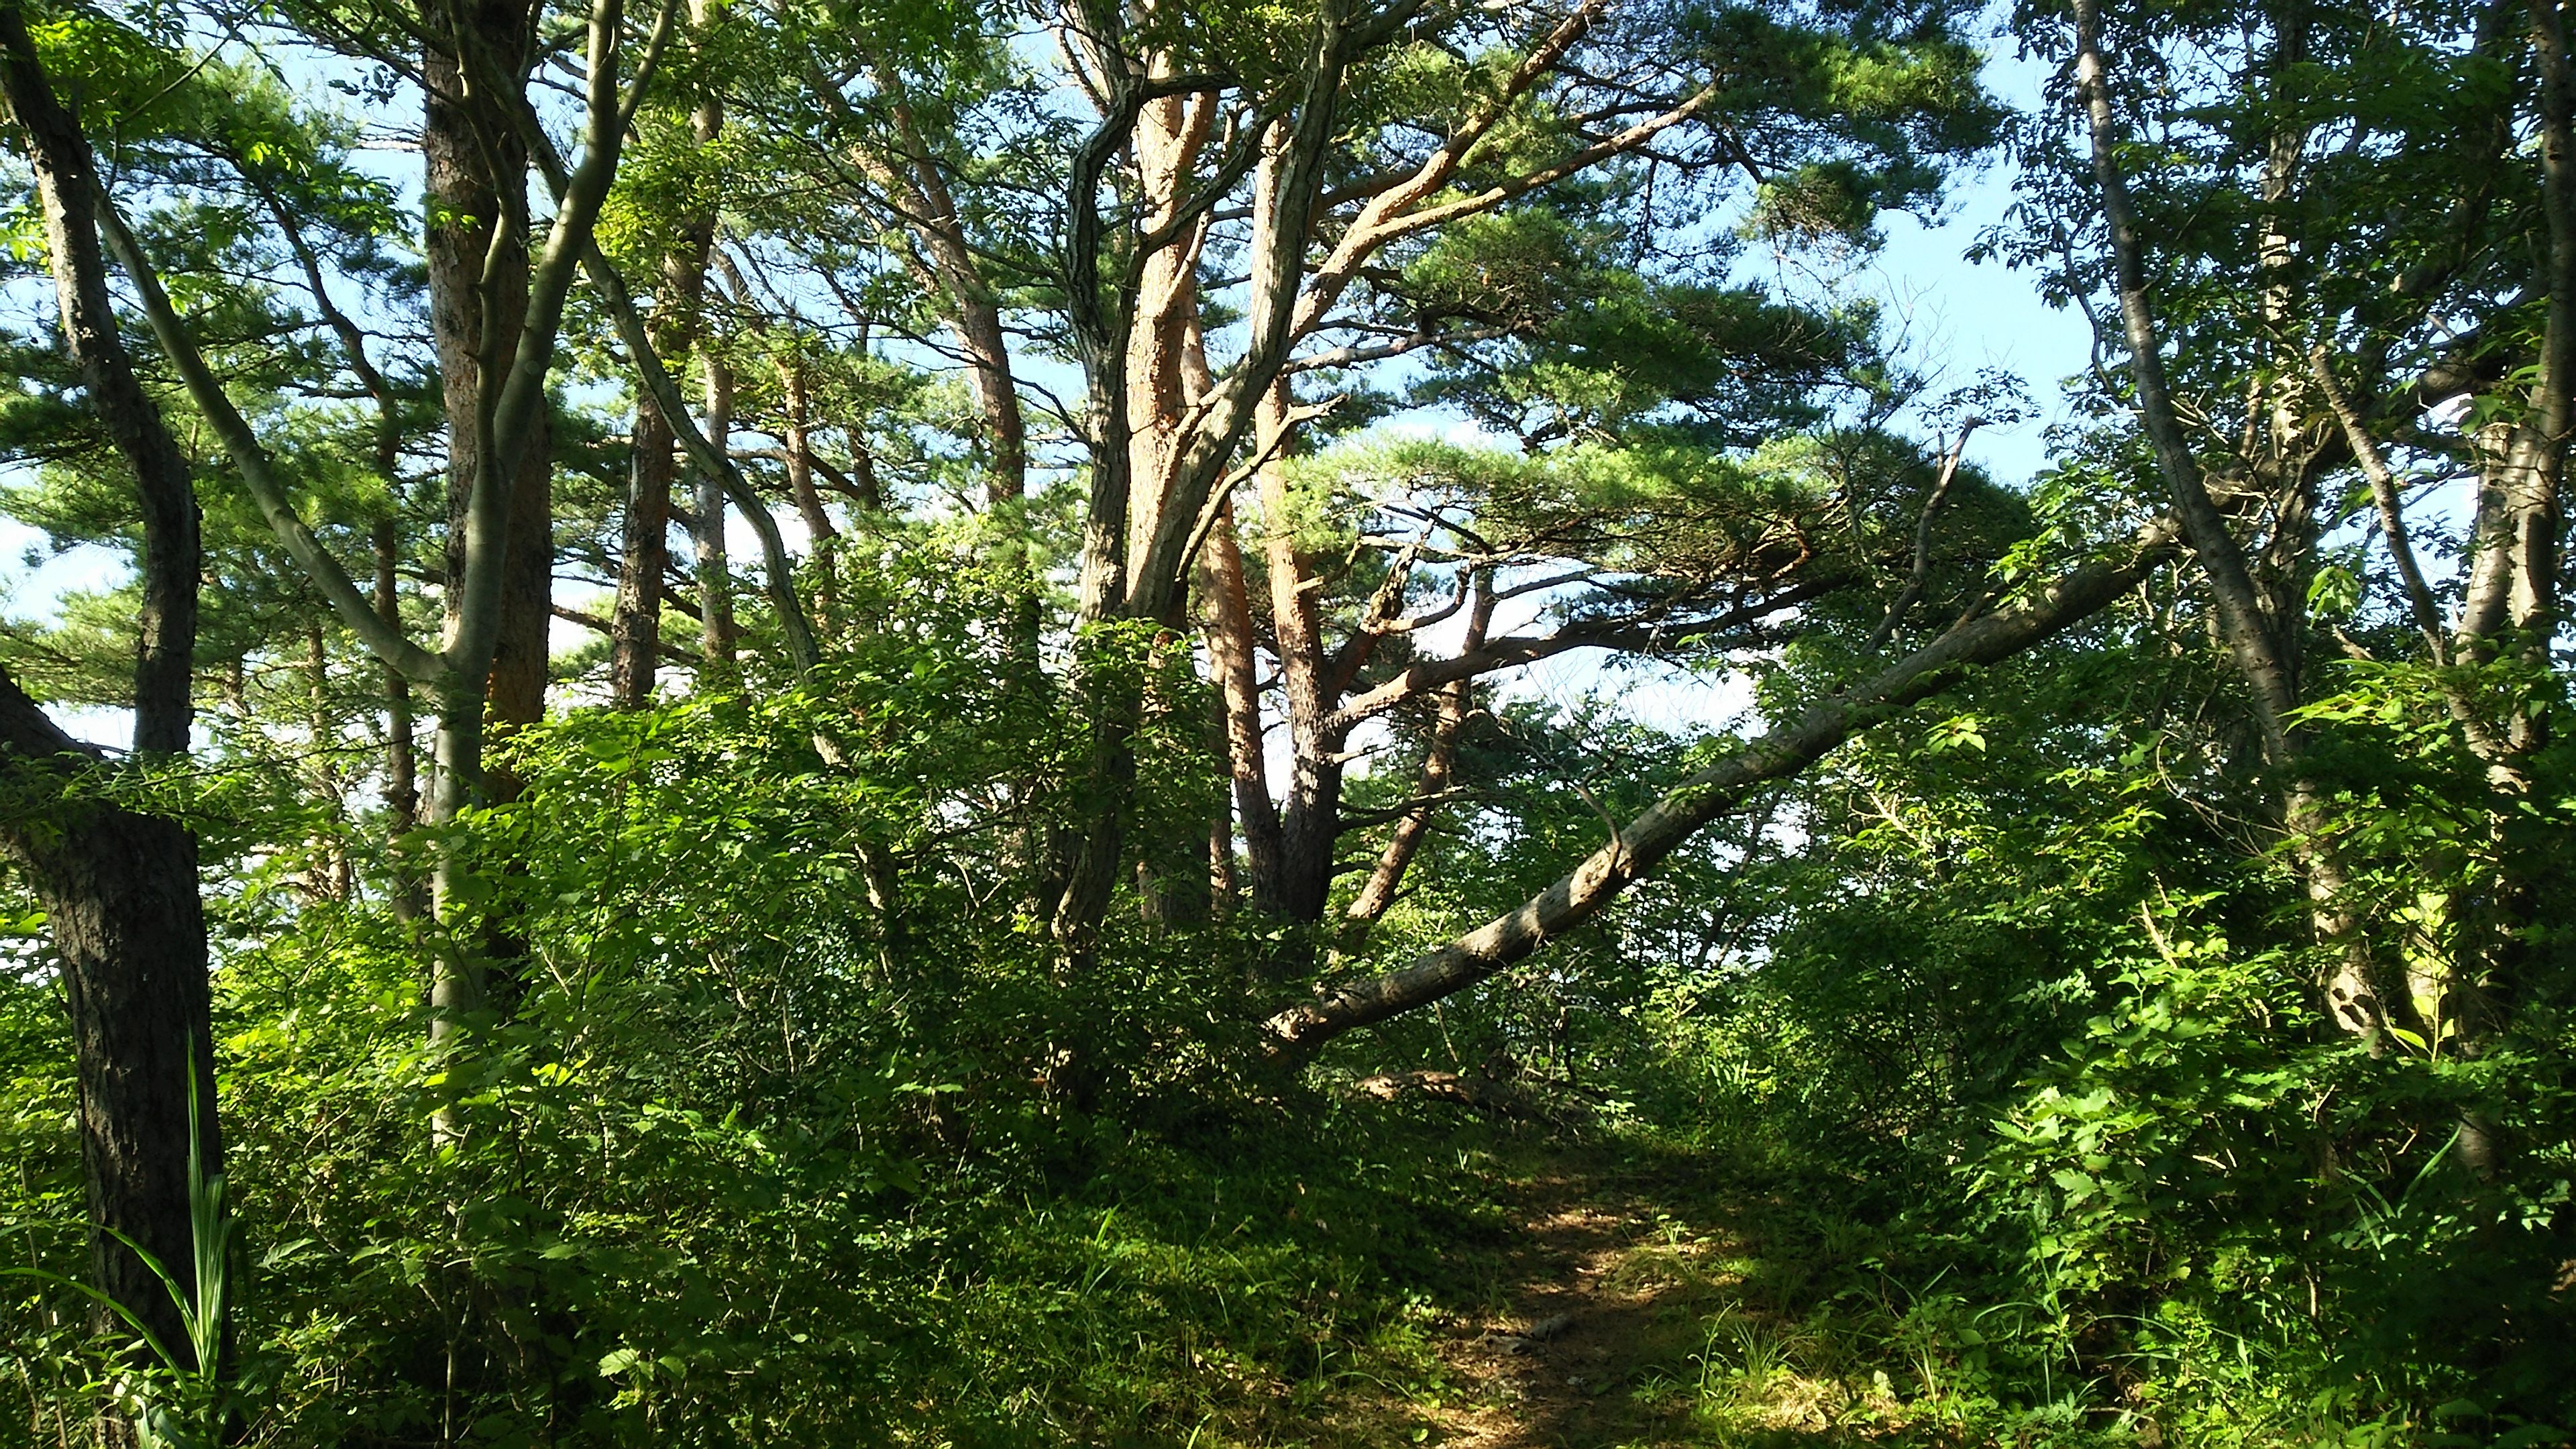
119	891
476	167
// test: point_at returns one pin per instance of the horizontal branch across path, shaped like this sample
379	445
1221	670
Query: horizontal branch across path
1642	844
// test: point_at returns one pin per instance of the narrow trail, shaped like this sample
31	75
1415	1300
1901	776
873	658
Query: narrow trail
1638	1310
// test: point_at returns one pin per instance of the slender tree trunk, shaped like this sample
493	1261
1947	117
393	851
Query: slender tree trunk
1227	610
2522	520
821	536
715	576
2362	993
402	770
715	579
644	557
67	185
645	554
914	183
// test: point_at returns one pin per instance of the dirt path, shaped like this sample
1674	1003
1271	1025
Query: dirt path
1635	1315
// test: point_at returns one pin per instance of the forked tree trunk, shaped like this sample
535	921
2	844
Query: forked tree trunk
476	167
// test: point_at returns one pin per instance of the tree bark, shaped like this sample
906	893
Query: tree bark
1227	612
119	889
476	245
402	746
2362	993
645	551
1310	821
715	572
644	556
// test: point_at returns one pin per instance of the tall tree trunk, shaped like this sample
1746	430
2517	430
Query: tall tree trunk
1310	822
820	535
715	579
475	164
715	575
2363	993
119	889
475	175
920	192
644	557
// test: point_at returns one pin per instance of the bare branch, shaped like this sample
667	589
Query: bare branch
1643	844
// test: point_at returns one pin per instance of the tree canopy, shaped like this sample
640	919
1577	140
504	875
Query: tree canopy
957	724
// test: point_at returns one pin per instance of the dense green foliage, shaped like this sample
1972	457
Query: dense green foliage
754	1160
1102	937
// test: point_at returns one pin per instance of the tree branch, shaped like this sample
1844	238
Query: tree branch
1638	848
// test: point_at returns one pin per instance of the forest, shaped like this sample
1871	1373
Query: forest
1285	722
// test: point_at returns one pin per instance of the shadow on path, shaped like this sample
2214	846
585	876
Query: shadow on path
1638	1308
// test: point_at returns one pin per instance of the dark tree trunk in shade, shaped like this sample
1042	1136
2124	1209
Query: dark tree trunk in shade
119	892
119	889
635	632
